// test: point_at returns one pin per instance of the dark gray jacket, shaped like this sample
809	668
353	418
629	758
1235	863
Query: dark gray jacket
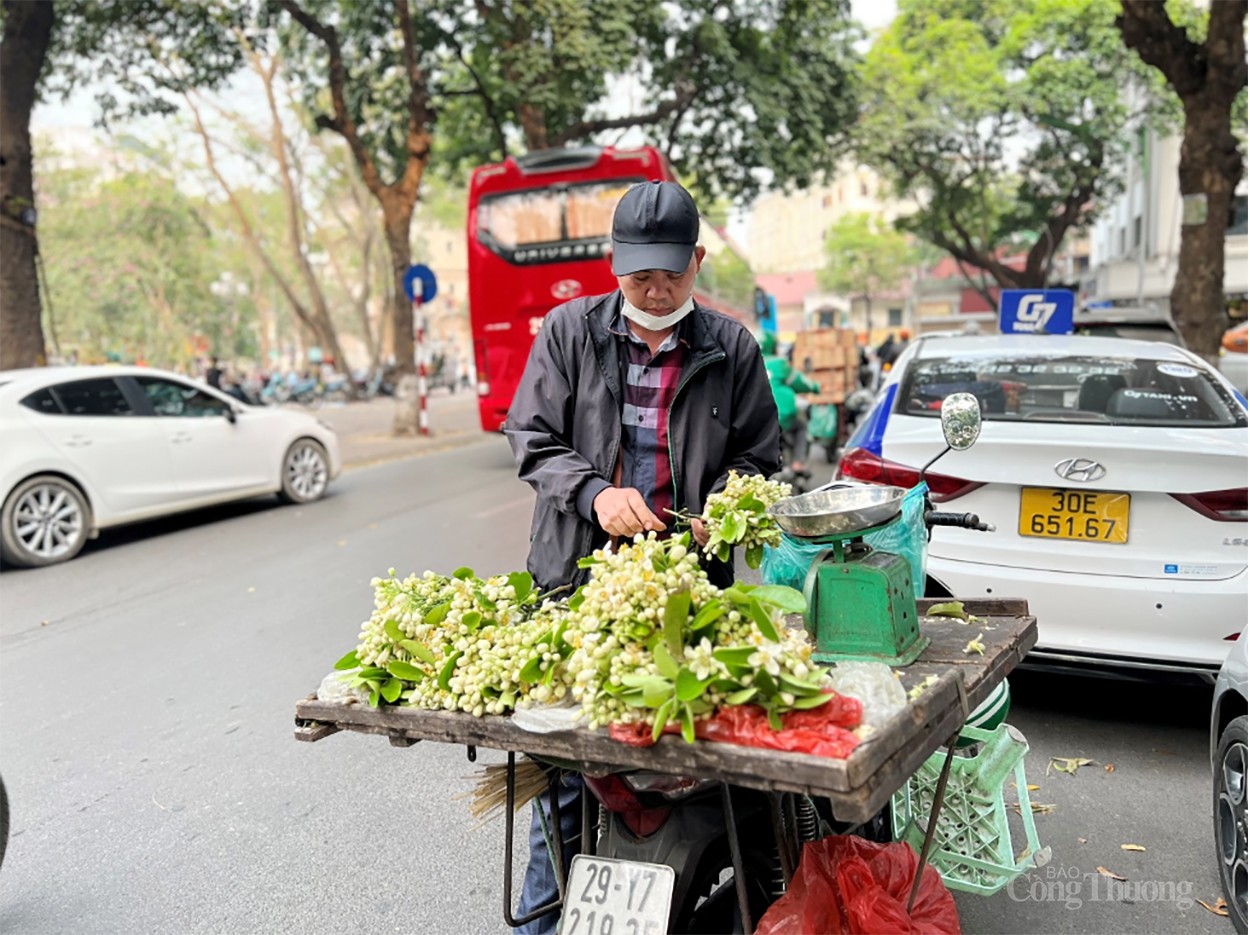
565	424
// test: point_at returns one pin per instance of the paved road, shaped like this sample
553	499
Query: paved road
146	696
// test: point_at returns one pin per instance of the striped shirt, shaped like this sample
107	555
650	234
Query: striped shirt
649	385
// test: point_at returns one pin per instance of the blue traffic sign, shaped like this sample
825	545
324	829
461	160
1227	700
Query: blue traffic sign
1036	311
420	284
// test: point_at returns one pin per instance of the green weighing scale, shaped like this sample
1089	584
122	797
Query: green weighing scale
861	604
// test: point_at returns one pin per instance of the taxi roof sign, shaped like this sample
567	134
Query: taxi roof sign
1036	311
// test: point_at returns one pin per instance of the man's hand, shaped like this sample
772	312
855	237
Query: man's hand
699	530
623	512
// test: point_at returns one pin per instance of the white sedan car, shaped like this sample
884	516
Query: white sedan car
1115	473
90	447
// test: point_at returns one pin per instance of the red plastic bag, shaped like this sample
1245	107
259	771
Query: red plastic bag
846	885
820	731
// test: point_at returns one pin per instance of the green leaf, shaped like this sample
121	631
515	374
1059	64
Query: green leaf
438	613
708	614
463	573
676	613
764	682
736	596
812	701
774	720
350	661
405	670
762	620
444	677
788	600
949	609
732	527
393	632
634	698
662	715
751	503
724	552
797	686
523	583
734	655
687	724
532	671
587	562
665	662
374	697
472	620
391	689
689	686
373	672
656	692
578	598
755	556
419	650
743	696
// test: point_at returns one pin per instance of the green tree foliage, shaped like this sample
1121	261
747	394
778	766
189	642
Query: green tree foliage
729	277
738	94
130	265
1001	118
120	47
864	256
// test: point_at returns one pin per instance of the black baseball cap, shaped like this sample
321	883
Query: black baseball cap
656	226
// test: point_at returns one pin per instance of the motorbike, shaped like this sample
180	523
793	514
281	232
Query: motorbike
731	849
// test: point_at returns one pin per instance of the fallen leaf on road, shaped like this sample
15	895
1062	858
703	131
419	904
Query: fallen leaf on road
1067	764
44	623
1115	876
1110	767
1027	852
1038	808
1032	788
1081	841
1220	908
1131	847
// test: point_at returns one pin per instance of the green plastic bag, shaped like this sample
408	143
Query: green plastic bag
788	563
822	421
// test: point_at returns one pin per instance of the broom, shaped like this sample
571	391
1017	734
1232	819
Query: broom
489	796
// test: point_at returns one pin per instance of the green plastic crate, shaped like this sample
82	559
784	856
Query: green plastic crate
972	848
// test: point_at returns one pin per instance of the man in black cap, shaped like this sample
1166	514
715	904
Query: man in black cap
633	404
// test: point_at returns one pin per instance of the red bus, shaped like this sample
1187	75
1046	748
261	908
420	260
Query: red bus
538	229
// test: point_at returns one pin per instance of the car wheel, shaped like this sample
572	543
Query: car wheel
45	520
1230	818
305	472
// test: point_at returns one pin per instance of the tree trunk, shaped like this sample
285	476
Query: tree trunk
23	51
397	220
1198	292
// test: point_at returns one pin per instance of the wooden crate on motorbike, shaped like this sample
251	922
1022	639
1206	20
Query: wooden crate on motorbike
857	787
825	349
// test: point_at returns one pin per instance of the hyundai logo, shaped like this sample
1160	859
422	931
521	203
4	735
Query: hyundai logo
566	289
1083	470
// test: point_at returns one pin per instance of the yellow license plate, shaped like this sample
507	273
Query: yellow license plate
1074	514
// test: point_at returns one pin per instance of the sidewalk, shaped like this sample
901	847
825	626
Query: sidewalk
364	428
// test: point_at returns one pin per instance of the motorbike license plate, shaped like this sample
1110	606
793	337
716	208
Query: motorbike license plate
606	896
1085	515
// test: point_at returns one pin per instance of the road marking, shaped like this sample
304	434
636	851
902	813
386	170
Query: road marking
504	507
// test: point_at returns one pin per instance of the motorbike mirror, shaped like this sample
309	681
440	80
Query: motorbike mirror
961	420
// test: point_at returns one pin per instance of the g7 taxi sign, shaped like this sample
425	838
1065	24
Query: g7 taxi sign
1036	311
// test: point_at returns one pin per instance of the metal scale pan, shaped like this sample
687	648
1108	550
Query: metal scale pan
824	514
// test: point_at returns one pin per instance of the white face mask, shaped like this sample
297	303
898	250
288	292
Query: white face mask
656	322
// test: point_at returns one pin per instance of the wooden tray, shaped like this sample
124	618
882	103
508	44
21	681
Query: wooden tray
857	787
